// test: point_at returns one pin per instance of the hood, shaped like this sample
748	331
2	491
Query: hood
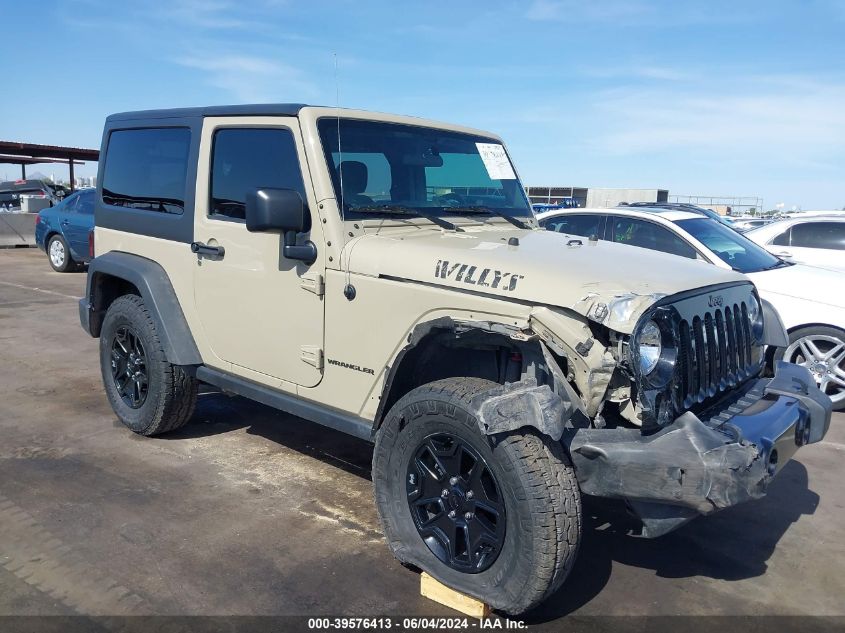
608	283
800	281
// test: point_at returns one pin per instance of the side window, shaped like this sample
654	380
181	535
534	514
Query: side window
586	224
70	204
85	203
649	235
782	239
146	169
246	158
829	235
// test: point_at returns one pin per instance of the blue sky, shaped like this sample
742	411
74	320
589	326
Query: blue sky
718	97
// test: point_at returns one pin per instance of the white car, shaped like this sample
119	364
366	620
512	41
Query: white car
817	240
808	299
747	224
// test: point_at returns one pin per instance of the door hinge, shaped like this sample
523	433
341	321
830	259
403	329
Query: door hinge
313	282
312	355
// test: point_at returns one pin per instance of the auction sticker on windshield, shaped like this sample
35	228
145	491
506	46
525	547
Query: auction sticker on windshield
496	161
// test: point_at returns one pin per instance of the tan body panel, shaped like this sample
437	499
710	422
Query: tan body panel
175	258
371	330
542	269
252	304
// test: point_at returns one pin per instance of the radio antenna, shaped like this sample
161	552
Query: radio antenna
348	288
339	147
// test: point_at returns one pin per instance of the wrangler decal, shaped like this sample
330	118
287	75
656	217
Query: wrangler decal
471	275
340	363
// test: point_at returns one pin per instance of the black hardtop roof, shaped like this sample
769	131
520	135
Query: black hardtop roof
251	109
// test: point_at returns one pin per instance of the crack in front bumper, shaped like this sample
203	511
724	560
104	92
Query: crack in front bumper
692	467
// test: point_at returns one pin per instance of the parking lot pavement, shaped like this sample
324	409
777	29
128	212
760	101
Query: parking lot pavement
251	511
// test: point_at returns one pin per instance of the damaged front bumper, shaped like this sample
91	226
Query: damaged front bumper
695	466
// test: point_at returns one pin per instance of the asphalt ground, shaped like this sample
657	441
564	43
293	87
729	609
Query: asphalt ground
248	511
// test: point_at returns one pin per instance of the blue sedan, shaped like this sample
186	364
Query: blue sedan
65	231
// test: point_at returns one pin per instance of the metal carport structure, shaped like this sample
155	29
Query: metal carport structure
23	154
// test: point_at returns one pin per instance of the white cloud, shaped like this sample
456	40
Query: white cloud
650	13
251	79
776	136
205	15
580	10
799	119
219	14
637	71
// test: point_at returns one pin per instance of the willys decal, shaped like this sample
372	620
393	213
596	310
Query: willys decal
475	276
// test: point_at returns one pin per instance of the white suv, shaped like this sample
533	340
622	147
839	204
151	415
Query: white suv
804	296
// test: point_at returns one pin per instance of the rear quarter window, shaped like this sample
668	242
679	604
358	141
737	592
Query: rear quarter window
85	203
645	234
146	169
586	225
829	235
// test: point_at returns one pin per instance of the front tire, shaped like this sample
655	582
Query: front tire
149	395
821	349
58	254
514	540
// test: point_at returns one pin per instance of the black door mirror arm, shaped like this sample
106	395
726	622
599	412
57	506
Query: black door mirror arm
291	250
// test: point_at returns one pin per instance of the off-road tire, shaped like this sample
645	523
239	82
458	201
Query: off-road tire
541	494
68	264
172	391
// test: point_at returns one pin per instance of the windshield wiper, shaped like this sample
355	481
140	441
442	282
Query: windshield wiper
398	209
110	197
780	264
481	210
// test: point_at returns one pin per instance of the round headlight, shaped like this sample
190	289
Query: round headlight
649	347
755	317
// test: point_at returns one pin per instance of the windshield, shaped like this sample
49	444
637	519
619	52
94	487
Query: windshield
736	251
383	168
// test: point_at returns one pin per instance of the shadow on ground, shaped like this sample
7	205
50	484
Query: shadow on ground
218	413
731	545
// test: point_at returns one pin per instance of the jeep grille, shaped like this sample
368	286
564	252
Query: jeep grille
715	353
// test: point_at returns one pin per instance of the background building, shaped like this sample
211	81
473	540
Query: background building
605	198
594	196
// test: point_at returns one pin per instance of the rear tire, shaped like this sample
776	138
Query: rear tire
540	498
149	395
58	254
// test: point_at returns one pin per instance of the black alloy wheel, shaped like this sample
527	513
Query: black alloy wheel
456	503
129	367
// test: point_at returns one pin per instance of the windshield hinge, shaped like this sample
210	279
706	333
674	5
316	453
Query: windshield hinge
313	282
312	355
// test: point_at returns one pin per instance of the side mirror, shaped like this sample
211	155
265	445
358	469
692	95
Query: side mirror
270	209
274	210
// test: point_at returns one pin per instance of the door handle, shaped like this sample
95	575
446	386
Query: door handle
65	222
784	254
209	251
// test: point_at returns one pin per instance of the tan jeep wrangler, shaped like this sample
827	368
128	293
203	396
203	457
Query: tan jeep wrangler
384	276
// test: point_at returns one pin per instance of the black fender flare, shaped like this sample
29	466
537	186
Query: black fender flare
515	405
548	408
774	331
153	284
